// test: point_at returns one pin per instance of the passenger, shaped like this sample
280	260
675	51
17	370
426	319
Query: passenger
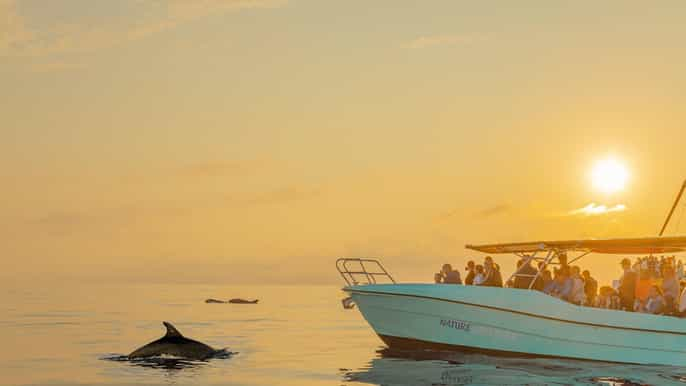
547	280
479	274
661	265
681	306
469	279
525	268
511	283
498	277
654	303
670	288
539	283
450	276
627	286
590	287
608	299
489	272
653	269
438	278
643	284
492	277
577	294
562	285
553	287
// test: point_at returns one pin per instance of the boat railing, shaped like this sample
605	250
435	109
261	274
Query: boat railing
357	271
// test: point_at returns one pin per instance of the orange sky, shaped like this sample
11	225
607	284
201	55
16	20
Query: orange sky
253	141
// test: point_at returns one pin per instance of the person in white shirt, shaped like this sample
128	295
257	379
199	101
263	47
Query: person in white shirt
480	276
578	294
654	304
681	305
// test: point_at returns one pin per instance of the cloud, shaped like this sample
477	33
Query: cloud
150	18
441	40
594	210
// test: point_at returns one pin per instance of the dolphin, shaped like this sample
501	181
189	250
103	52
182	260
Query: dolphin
232	301
243	301
173	343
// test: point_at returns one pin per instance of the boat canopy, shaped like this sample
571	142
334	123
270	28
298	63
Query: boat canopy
638	246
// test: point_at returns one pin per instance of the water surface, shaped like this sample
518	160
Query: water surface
298	335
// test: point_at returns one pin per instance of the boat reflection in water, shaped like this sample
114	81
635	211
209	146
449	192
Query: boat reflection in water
395	367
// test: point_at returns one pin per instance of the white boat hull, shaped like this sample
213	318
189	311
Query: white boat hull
516	322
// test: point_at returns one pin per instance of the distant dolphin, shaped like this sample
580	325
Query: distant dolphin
243	301
173	343
232	301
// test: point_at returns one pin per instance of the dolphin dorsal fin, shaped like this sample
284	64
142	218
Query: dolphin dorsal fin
172	332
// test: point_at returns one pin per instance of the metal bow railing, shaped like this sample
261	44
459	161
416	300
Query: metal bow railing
360	272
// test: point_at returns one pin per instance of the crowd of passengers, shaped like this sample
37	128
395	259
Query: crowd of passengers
650	285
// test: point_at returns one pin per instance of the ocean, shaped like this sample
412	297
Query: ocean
74	333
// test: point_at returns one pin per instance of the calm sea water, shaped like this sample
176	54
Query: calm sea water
64	334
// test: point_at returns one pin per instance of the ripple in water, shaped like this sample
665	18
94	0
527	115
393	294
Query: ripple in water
167	362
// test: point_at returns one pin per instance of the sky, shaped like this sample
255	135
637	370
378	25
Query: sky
256	141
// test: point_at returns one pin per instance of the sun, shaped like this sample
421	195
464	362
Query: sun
609	176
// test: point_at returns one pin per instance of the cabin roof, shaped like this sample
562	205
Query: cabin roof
637	246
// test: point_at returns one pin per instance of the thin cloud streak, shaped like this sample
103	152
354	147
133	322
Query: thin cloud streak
17	40
494	210
593	209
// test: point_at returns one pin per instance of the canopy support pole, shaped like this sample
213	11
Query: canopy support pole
671	211
578	257
548	258
529	258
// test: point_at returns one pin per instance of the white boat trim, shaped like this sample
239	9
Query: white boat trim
515	322
354	290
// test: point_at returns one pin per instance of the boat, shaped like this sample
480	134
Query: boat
518	322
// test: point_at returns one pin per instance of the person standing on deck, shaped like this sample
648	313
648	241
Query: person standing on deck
590	287
670	288
450	276
471	273
524	268
577	295
627	286
492	274
654	303
643	284
562	285
479	275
